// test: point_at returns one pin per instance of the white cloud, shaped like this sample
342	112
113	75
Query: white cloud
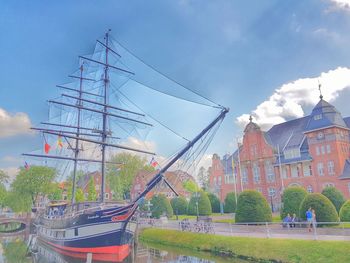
13	124
287	102
345	4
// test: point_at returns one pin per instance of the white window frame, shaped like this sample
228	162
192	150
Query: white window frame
320	169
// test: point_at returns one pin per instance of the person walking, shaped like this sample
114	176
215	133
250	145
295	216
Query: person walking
314	222
309	218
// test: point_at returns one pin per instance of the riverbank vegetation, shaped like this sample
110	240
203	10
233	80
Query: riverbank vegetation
255	249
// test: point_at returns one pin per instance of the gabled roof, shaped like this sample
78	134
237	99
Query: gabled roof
84	180
288	134
346	170
324	115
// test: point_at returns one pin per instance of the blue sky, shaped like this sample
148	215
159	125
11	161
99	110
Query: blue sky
262	58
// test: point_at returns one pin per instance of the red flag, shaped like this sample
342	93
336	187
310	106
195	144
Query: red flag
47	147
153	162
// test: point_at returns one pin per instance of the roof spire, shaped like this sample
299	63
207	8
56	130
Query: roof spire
250	118
319	88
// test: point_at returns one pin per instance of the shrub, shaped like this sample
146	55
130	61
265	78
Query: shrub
161	206
179	205
291	199
335	196
230	203
214	202
204	206
252	207
344	213
324	209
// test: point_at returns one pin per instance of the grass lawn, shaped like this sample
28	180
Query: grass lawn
282	250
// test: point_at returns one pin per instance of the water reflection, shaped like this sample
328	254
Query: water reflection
14	250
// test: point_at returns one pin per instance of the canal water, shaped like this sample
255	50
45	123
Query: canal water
14	250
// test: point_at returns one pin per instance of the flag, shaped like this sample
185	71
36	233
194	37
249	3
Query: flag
153	162
26	166
59	141
47	147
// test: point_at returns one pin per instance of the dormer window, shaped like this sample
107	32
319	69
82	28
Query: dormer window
318	117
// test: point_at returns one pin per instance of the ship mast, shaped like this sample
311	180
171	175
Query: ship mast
76	149
104	122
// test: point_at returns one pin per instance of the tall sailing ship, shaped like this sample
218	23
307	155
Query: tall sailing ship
103	228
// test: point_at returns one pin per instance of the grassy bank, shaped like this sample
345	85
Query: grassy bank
279	250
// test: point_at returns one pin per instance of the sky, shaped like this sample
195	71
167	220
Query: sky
264	58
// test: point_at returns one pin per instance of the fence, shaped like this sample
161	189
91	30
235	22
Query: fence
301	230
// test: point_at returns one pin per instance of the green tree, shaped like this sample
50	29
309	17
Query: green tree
33	182
214	202
79	196
335	196
55	191
18	202
4	178
201	199
324	209
179	205
203	178
190	186
291	199
92	195
161	206
3	194
120	177
252	207
344	213
230	203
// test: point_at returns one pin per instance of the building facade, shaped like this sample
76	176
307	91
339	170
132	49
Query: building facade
175	178
83	183
312	152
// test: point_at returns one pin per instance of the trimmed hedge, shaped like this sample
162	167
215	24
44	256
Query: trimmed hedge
324	209
179	205
214	202
252	207
230	203
344	213
204	206
291	199
335	196
161	206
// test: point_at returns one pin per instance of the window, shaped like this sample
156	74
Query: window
309	189
328	148
244	175
292	153
349	187
106	195
331	168
323	151
320	169
306	170
256	173
215	181
318	117
76	231
284	172
310	168
253	150
320	135
259	189
272	191
219	180
328	185
294	171
270	175
317	150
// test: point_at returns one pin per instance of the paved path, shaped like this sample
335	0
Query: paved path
270	231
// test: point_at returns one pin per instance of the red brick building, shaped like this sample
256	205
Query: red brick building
175	178
312	152
83	183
